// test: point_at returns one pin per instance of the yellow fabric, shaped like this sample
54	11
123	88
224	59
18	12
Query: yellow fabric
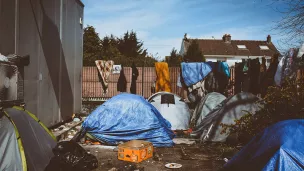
21	149
163	77
36	119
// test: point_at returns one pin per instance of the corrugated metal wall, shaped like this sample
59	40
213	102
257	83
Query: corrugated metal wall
50	32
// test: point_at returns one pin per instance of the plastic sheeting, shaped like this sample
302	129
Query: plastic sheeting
206	105
128	117
178	114
226	112
279	147
192	73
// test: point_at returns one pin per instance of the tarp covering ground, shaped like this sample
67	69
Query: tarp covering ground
128	117
279	147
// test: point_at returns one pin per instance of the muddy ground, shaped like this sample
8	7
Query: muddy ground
193	158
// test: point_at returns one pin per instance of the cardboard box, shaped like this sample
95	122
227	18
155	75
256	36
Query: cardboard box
135	151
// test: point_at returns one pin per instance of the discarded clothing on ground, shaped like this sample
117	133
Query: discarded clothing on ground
172	108
128	117
226	112
134	78
70	156
205	106
105	69
194	72
122	81
279	147
25	143
163	77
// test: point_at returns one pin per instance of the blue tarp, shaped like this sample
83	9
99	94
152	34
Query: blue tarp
279	147
192	73
128	117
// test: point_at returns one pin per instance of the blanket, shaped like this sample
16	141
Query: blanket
105	69
163	77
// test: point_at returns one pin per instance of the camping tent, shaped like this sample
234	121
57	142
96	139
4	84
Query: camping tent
128	117
172	108
226	112
279	147
25	143
206	105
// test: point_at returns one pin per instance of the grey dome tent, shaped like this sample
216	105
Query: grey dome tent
226	112
205	106
172	108
25	143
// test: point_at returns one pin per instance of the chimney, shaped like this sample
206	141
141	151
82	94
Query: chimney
227	38
268	39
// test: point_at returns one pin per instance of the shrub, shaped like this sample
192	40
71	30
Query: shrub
280	103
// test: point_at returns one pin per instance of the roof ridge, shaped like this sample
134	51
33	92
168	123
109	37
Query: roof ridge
231	40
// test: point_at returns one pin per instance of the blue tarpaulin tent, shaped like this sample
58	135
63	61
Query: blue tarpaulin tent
128	117
279	147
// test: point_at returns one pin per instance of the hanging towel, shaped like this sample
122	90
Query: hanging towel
122	81
192	73
134	78
163	77
224	67
105	69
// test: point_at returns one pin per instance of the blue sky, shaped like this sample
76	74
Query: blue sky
161	24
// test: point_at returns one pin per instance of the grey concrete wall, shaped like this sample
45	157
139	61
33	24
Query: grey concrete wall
50	32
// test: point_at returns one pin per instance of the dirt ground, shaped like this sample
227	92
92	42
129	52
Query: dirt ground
192	158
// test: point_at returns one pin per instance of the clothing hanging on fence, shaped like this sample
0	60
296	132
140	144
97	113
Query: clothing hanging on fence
134	78
287	67
122	81
105	69
239	77
268	79
163	77
217	80
254	75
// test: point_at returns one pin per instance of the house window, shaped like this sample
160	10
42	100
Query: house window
241	46
264	47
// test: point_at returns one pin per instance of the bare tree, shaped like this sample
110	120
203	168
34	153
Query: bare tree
291	26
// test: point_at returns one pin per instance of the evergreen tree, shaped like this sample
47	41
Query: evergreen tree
91	46
194	53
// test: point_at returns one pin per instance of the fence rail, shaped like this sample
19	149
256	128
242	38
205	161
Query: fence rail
91	86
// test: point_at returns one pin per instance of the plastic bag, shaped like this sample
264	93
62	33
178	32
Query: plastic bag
70	156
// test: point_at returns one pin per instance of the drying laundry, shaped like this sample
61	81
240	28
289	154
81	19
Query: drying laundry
122	81
163	77
192	73
105	69
134	78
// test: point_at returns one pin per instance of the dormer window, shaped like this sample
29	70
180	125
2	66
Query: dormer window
241	46
263	47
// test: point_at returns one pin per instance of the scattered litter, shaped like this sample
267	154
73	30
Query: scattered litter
3	58
184	155
69	155
96	151
156	157
173	165
76	120
113	169
70	136
226	160
183	141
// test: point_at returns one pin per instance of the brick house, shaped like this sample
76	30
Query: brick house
232	51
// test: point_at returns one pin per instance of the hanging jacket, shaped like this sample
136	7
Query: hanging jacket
134	78
122	81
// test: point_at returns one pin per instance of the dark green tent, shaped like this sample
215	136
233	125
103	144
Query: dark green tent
25	143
